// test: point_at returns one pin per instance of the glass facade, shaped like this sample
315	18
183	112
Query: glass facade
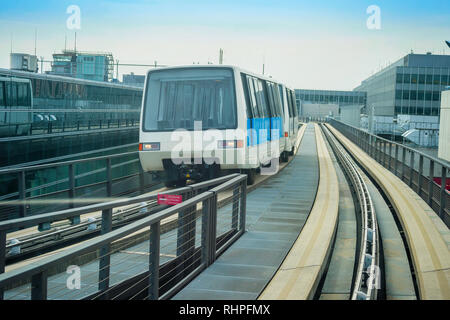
411	86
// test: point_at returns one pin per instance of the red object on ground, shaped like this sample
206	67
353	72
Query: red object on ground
447	182
169	199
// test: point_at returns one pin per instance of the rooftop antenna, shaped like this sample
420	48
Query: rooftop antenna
65	42
75	42
264	62
221	56
35	40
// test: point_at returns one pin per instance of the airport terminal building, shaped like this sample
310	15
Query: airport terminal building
410	86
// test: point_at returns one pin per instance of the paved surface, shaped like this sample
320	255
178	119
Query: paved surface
276	213
299	276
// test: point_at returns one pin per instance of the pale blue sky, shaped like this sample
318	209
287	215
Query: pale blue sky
321	45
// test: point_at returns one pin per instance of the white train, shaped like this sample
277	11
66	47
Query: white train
198	120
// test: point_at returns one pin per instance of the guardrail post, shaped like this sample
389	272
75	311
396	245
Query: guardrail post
153	289
39	286
430	184
108	178
385	162
105	258
141	180
2	256
443	186
206	232
243	205
76	219
420	178
22	194
390	156
411	169
396	160
235	210
403	162
213	215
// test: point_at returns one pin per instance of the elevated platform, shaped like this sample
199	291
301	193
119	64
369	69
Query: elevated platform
276	213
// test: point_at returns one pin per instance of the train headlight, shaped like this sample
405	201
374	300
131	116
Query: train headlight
230	144
152	146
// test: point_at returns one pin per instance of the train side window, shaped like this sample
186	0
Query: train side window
260	98
294	104
289	102
256	111
248	104
270	99
2	94
276	98
280	92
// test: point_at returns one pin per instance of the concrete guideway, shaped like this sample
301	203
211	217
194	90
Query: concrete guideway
302	269
338	280
427	241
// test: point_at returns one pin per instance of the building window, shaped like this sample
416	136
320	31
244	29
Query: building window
414	78
420	95
436	79
421	79
436	96
405	95
429	79
406	78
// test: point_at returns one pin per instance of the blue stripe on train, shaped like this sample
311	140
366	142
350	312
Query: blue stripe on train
262	129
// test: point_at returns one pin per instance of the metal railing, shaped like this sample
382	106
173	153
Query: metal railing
104	176
59	126
145	259
413	167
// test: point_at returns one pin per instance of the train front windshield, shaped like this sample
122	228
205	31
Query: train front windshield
178	97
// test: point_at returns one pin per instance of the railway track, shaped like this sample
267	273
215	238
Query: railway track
368	259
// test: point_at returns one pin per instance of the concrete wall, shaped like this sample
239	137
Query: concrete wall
444	127
351	115
319	110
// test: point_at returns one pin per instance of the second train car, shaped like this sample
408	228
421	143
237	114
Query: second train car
199	120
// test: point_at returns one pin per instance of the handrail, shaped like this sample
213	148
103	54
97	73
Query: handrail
436	160
38	271
65	163
435	195
67	213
